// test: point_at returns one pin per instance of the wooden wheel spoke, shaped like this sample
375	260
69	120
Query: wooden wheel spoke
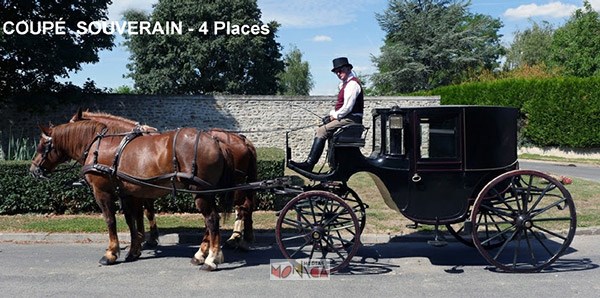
531	204
334	248
540	197
541	242
550	232
500	234
505	243
296	223
299	249
327	228
555	204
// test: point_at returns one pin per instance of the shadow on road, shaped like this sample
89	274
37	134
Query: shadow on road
384	257
371	259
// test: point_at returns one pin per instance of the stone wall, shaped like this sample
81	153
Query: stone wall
263	119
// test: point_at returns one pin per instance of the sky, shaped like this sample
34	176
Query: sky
323	30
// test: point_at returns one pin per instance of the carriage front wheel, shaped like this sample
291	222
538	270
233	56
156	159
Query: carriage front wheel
318	225
530	219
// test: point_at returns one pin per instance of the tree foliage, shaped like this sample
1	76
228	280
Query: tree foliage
576	44
205	62
31	62
432	43
530	47
296	79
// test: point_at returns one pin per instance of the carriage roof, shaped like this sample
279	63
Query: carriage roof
486	135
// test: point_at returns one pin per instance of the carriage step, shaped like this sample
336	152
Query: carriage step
437	243
413	226
439	239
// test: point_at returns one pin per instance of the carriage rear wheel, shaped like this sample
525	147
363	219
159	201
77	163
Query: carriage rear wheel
530	221
318	225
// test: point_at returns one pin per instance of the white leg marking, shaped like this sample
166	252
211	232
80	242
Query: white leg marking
200	257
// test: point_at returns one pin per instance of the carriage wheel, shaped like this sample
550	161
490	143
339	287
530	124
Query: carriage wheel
318	225
354	201
530	219
465	235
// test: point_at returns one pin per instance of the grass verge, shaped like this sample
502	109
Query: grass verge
380	218
587	161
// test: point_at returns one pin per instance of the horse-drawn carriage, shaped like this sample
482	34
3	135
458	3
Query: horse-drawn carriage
453	165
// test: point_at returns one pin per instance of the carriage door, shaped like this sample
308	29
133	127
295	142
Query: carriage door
435	178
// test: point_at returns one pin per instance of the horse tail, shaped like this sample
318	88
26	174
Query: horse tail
252	171
227	180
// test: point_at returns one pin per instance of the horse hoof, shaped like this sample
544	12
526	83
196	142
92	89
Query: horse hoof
232	243
131	258
196	262
104	261
150	244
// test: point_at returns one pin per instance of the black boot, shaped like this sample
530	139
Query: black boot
315	153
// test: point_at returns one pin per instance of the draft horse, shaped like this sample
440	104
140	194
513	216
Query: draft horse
244	161
139	167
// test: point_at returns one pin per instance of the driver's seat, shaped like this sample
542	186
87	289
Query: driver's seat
350	135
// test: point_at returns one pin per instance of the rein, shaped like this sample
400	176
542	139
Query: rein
268	130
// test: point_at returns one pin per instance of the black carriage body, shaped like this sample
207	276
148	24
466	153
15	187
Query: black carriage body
429	163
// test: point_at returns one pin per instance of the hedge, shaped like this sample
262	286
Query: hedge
21	193
562	112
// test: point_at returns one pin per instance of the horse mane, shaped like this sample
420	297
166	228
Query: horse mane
73	136
107	116
113	118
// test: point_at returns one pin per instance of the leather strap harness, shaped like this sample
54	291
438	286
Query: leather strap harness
113	171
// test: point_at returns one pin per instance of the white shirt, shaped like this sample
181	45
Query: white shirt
351	92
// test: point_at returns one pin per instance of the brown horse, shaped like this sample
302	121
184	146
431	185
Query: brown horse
137	169
123	125
244	161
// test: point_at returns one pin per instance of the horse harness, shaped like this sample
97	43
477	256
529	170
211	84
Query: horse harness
113	170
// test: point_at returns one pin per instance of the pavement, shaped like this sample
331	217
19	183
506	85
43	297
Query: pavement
195	238
176	238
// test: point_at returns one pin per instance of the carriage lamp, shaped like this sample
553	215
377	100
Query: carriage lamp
395	121
394	137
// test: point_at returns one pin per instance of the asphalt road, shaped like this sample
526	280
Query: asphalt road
398	268
570	170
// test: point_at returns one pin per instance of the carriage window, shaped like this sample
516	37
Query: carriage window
394	135
438	137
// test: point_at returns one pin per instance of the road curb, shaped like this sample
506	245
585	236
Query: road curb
195	238
182	238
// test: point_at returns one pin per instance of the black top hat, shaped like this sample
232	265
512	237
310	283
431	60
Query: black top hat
340	62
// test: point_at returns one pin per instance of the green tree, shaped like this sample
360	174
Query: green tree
296	79
576	44
31	62
530	47
123	89
431	43
205	60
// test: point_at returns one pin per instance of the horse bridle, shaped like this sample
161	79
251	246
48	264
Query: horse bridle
47	148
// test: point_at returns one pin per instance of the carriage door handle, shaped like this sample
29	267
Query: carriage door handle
416	178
